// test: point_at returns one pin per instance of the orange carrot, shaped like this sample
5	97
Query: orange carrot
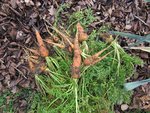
77	58
43	67
42	48
65	37
31	65
70	49
82	35
34	57
95	58
56	39
56	44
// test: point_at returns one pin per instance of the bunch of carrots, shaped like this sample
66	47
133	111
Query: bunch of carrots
80	36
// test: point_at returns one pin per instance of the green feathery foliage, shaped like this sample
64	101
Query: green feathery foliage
100	86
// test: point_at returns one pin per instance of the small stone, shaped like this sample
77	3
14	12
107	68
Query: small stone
124	107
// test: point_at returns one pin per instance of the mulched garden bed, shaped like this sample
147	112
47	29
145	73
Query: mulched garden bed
18	17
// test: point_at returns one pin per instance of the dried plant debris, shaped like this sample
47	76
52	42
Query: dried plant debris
141	100
20	101
17	18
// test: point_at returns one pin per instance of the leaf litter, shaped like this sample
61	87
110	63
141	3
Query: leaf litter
11	21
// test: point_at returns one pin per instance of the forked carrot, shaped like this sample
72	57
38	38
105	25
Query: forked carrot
77	58
95	58
42	48
82	35
56	44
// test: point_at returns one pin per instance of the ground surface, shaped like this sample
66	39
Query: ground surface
17	18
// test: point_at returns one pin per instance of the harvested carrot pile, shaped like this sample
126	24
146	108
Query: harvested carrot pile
88	78
94	76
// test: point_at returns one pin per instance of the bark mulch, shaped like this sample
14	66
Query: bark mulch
18	17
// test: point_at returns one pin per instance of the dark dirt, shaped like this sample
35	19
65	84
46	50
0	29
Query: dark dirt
18	17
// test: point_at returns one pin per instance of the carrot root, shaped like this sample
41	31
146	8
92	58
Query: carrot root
34	57
56	44
94	58
43	67
92	62
77	58
31	65
82	35
42	48
64	37
56	39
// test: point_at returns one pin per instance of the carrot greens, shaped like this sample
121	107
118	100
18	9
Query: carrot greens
71	86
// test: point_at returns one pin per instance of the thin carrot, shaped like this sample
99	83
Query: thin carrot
34	51
31	65
56	39
95	58
42	48
56	44
70	49
43	67
65	31
77	58
82	35
34	57
66	38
